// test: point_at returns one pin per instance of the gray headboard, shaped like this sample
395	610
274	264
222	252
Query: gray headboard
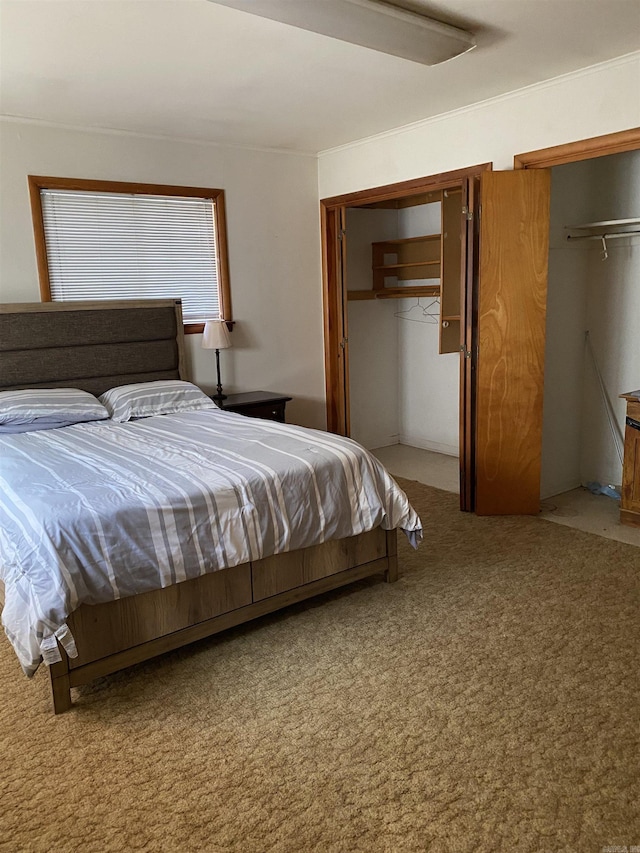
90	345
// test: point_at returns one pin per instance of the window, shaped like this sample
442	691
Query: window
114	240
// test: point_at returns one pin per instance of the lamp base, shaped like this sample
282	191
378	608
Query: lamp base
218	397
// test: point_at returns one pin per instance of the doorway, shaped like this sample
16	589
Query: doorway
592	325
396	299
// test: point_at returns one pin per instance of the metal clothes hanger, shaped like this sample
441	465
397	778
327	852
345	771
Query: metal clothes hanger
424	314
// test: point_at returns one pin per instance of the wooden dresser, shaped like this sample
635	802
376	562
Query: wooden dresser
630	497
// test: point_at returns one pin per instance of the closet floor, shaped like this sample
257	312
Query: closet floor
577	508
593	513
425	466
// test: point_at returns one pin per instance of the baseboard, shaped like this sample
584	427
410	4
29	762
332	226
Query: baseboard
387	441
559	489
434	446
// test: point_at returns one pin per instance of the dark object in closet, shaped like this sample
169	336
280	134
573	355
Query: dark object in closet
633	424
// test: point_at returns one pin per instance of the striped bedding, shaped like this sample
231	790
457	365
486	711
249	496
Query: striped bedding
99	511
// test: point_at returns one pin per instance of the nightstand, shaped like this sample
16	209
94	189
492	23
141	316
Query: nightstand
257	404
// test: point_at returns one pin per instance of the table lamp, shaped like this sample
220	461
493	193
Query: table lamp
216	336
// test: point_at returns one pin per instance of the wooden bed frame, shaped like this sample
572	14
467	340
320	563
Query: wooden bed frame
95	346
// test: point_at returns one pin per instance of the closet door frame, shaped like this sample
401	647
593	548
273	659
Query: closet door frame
585	149
336	346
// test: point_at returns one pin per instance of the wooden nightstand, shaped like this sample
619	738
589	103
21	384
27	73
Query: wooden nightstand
257	404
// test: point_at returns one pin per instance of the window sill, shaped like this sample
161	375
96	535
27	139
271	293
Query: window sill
198	328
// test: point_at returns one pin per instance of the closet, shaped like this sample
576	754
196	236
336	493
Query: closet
518	416
592	353
403	285
500	263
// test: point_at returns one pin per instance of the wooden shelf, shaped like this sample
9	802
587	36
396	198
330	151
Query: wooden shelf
404	266
411	258
434	259
394	292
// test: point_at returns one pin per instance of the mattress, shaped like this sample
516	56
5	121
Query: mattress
99	511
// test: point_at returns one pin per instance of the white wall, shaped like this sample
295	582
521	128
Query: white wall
274	246
587	293
600	100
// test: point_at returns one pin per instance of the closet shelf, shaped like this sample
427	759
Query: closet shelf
402	241
394	292
404	266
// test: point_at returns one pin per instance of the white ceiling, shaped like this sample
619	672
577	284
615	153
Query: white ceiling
197	70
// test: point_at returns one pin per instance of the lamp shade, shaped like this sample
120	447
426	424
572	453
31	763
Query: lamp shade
216	335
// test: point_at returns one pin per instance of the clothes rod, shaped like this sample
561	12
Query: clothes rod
606	222
613	236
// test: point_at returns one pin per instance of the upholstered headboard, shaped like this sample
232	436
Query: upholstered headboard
90	345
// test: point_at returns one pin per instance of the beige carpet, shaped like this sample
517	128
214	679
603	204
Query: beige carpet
488	701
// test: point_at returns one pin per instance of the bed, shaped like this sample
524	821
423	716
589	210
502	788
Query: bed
264	522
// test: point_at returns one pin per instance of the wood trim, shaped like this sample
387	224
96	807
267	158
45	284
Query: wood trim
88	184
198	328
469	340
342	295
333	315
223	257
38	236
441	181
40	182
585	149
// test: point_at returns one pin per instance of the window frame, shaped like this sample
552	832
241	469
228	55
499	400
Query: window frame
39	182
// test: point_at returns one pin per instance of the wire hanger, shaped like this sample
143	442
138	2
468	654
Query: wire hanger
421	313
605	254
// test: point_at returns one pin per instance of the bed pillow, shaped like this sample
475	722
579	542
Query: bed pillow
33	409
145	399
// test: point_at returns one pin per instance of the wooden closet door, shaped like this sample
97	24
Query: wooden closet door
511	314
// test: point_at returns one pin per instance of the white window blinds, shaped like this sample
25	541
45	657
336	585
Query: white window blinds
103	245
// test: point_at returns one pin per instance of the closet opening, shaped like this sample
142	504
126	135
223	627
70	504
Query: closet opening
397	322
403	265
592	340
592	353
